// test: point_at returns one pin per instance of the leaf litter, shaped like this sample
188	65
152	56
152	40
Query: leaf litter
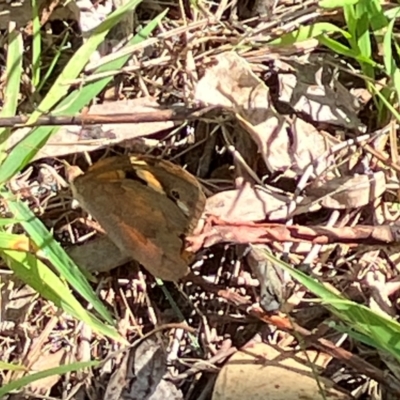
287	160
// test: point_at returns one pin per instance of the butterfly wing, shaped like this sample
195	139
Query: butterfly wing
144	224
178	185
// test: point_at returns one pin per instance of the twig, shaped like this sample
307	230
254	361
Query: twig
158	115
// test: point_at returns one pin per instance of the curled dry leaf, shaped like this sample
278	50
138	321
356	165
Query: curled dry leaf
141	376
264	373
47	360
312	89
242	233
347	192
283	144
247	204
274	281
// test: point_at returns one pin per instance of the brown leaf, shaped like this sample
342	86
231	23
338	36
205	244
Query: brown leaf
312	89
283	144
47	360
141	376
247	204
348	191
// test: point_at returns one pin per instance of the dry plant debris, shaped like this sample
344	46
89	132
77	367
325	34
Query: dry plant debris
287	160
264	372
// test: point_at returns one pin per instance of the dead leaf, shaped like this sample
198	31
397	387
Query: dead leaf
274	281
141	376
247	204
217	231
312	89
47	360
283	144
347	191
98	255
263	372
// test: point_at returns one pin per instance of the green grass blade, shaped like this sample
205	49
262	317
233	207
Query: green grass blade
377	17
26	149
54	61
308	32
364	44
36	45
12	83
80	59
40	277
79	98
381	330
11	367
26	380
339	48
386	102
55	253
388	60
14	242
337	3
351	22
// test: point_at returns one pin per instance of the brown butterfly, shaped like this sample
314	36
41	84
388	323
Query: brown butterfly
146	206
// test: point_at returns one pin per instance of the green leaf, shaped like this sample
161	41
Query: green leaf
12	241
388	60
351	22
376	14
339	48
36	44
385	101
